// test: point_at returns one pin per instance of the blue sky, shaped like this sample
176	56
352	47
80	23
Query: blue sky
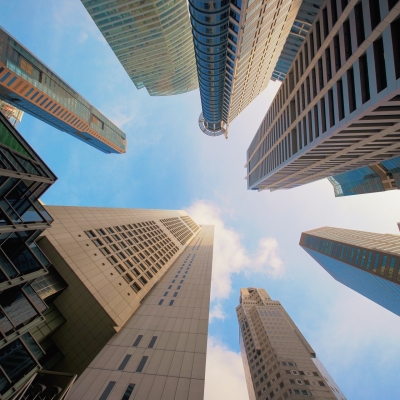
171	164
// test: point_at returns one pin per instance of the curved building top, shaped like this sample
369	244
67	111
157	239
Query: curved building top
152	40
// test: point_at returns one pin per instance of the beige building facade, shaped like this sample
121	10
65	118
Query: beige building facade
278	361
110	259
160	353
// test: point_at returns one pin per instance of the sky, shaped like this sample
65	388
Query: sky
171	164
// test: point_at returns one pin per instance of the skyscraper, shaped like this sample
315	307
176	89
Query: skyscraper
109	260
373	178
134	283
152	41
24	177
368	263
237	47
337	109
29	85
277	359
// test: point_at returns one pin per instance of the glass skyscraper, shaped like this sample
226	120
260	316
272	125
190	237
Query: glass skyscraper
31	86
277	359
374	178
237	46
368	263
152	40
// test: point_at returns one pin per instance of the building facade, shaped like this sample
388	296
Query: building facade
151	40
24	177
29	85
373	178
337	109
160	353
237	47
109	260
368	263
277	359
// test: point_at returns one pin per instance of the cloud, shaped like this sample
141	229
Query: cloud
347	333
230	255
216	312
82	36
224	373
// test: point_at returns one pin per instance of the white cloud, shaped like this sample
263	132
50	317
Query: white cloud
217	312
231	257
82	36
224	373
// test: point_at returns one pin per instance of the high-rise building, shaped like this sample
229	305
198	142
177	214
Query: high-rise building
152	41
373	178
278	361
237	46
368	263
29	85
105	263
160	353
24	177
337	109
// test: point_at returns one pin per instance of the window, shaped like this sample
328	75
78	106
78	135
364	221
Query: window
107	390
171	302
175	294
152	342
395	30
124	362
358	10
137	341
160	302
166	294
142	364
380	66
375	13
364	79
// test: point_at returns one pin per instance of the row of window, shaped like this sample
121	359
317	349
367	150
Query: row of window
315	82
140	250
171	302
356	256
178	229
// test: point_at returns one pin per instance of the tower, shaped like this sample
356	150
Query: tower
237	46
31	86
366	262
277	359
336	110
151	40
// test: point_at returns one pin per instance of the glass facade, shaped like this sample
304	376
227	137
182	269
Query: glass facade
381	291
152	41
304	19
28	84
23	179
368	263
370	179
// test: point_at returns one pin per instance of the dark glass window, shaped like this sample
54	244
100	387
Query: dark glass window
16	360
107	391
142	364
375	13
358	10
364	78
128	391
152	342
380	66
124	362
395	30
